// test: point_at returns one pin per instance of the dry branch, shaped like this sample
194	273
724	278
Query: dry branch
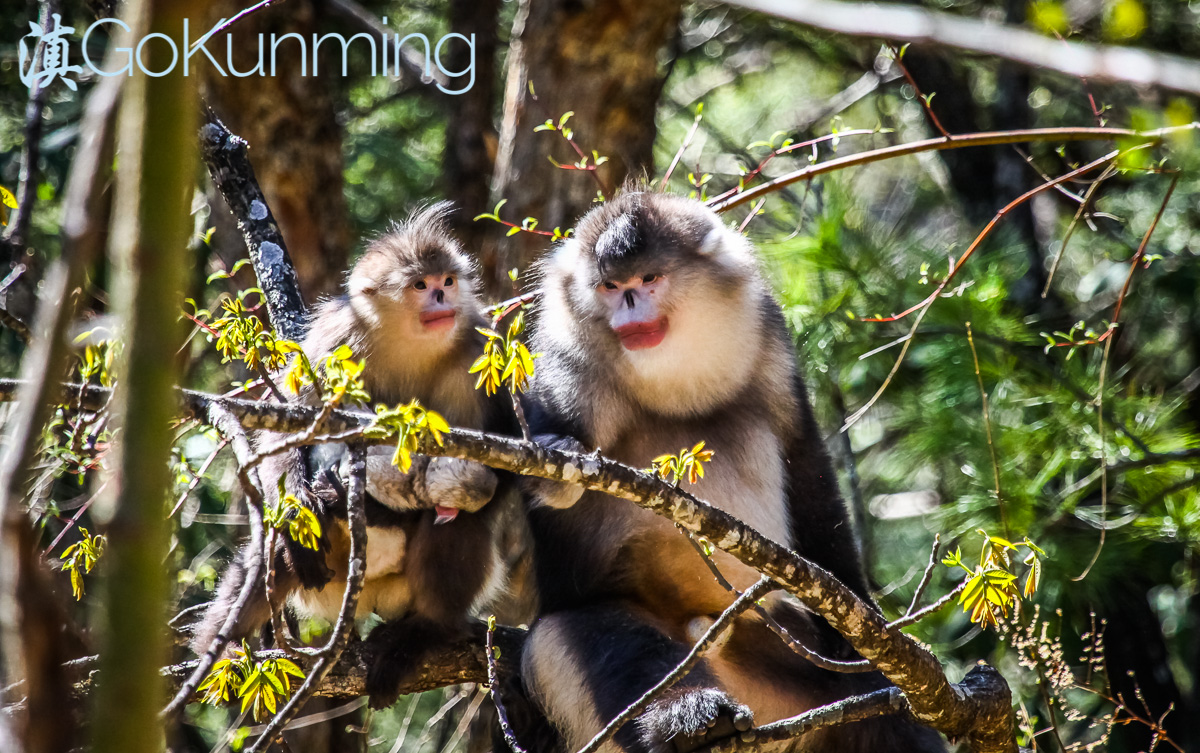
734	198
906	23
229	166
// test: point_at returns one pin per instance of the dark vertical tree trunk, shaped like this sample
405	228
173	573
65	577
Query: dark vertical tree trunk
470	132
290	122
602	60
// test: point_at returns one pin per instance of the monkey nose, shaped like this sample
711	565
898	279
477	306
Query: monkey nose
439	295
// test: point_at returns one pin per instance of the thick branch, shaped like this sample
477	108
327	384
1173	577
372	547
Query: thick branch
229	166
906	23
980	711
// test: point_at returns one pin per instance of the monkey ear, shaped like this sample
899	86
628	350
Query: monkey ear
713	242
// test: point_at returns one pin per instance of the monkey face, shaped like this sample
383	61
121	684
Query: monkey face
661	290
414	284
636	315
436	302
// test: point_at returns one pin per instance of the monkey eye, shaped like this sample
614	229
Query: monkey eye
609	285
647	279
449	282
419	284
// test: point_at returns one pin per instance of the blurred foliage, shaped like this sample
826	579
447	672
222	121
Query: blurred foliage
864	242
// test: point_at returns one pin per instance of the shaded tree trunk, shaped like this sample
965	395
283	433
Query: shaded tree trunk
470	133
601	60
290	122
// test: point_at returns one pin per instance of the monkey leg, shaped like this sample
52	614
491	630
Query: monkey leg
585	666
543	492
448	569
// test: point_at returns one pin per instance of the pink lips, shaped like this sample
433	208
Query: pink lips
642	335
437	318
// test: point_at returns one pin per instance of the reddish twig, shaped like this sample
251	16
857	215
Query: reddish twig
1108	341
924	306
897	58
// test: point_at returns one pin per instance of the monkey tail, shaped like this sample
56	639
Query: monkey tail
254	614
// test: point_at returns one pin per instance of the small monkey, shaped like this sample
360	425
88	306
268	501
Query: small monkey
434	534
657	330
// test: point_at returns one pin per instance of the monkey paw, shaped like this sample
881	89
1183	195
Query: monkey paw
690	718
461	484
397	649
555	494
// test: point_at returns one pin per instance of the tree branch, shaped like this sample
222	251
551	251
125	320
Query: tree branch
734	198
906	23
977	709
229	166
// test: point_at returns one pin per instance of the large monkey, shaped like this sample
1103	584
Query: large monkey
658	330
410	310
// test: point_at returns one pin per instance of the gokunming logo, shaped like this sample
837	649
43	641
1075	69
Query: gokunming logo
54	45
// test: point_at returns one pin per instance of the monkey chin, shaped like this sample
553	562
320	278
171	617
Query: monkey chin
642	335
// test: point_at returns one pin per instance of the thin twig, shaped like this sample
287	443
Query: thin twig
724	203
920	614
356	521
278	627
196	479
924	306
227	23
897	58
848	667
687	141
926	577
1109	336
744	602
987	425
494	687
225	422
1079	213
853	709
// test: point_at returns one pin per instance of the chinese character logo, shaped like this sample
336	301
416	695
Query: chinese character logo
54	47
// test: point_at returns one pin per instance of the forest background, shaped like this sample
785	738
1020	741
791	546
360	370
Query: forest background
1068	410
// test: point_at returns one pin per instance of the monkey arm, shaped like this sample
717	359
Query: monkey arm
556	494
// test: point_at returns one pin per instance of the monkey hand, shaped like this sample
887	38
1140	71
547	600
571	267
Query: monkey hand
390	485
557	494
686	719
459	484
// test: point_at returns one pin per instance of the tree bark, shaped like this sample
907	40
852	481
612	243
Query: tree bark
471	135
601	60
290	123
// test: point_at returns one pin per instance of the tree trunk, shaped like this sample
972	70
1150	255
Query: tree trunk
601	60
157	160
471	135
